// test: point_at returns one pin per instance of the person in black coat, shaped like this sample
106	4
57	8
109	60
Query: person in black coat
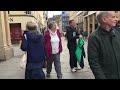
34	46
117	27
72	35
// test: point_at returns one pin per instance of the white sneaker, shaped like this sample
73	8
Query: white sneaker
73	70
76	68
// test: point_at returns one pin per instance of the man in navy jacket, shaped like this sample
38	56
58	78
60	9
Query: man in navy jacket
34	46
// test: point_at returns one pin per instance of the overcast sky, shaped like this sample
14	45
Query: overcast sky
51	13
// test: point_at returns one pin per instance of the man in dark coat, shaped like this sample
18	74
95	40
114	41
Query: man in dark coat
104	47
72	35
34	45
117	27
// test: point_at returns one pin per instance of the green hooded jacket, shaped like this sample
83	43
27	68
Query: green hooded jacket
79	49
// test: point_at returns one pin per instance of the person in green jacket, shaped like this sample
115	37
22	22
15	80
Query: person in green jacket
104	47
80	52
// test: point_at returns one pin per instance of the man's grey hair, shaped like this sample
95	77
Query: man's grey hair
31	25
101	14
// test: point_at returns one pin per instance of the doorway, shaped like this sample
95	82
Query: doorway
16	33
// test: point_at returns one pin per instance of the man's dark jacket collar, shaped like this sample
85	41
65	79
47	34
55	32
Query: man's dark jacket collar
105	32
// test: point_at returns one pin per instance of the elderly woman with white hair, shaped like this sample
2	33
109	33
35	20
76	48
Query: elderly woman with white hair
53	48
33	44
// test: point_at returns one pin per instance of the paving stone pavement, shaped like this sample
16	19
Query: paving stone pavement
10	69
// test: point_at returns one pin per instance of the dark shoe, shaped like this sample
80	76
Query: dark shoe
47	75
44	67
60	78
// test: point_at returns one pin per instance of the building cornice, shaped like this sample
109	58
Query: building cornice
19	15
90	13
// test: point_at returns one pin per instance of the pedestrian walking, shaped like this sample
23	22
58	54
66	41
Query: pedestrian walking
53	47
34	46
85	35
72	35
104	47
117	27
